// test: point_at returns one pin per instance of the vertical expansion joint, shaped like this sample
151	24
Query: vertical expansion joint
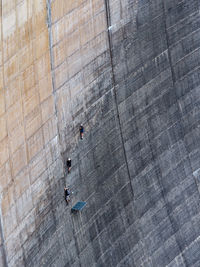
49	26
173	81
49	23
167	41
171	68
108	21
4	256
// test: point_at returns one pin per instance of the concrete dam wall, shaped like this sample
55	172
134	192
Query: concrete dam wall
129	70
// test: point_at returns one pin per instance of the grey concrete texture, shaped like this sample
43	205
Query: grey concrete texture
138	166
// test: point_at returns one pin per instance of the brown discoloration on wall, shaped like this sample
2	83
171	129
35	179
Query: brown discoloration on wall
27	118
30	159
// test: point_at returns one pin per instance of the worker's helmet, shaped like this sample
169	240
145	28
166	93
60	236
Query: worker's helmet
81	124
69	159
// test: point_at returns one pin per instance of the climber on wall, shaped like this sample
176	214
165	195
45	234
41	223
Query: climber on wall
81	129
67	194
69	164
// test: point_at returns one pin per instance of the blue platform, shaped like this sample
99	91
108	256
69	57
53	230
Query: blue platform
79	206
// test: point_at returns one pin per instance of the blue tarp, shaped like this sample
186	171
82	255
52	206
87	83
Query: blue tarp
79	205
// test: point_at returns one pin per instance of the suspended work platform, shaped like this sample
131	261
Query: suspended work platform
79	206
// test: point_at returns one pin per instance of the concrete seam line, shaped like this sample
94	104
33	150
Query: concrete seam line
107	11
174	82
4	255
159	180
49	23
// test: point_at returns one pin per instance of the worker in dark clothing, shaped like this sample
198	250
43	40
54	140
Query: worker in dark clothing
67	194
69	164
81	129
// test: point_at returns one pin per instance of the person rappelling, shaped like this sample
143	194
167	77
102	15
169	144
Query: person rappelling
81	129
67	194
69	164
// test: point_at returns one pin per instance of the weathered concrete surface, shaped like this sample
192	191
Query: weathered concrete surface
128	70
30	161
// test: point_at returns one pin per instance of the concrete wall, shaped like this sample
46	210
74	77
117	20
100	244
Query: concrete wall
129	71
30	161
